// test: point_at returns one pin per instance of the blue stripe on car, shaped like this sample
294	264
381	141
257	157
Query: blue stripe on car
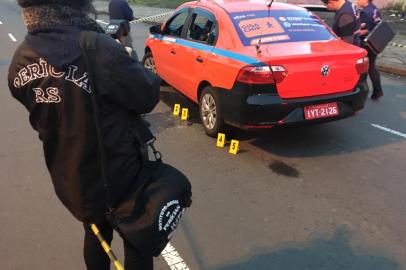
203	47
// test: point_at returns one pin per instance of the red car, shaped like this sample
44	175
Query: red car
254	65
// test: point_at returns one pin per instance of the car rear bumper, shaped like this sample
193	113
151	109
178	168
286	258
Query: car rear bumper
255	110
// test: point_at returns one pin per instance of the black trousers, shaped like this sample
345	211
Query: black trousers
97	259
373	72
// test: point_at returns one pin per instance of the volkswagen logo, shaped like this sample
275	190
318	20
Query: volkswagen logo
325	71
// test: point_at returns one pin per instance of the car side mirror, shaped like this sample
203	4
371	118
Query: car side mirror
156	29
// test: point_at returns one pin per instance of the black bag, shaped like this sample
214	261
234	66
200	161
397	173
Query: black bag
380	37
148	216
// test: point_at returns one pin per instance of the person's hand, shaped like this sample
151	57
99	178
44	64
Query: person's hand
129	50
363	32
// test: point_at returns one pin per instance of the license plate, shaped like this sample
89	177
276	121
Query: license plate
321	111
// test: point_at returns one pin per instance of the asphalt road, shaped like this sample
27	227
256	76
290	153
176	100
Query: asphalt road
325	197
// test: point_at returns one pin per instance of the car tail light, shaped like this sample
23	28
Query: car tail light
279	73
262	74
362	65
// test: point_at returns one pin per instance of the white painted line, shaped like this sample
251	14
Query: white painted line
173	259
12	37
1	22
101	21
390	130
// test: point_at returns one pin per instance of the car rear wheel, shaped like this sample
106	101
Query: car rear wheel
211	112
149	62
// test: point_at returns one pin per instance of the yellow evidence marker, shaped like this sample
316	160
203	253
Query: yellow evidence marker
185	114
176	109
234	147
221	139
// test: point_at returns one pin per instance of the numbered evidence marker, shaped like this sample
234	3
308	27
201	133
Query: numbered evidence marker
176	109
234	147
221	139
185	114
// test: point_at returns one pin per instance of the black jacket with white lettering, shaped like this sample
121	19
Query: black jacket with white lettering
47	75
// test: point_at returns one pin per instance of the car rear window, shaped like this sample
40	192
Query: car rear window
277	26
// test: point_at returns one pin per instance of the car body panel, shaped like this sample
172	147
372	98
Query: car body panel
305	61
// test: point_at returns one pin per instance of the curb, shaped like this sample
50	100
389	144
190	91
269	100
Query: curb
392	68
101	12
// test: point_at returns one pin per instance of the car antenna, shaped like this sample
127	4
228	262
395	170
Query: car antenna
258	44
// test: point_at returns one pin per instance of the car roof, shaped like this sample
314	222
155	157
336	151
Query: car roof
232	6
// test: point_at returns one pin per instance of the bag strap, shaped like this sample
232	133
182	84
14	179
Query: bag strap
87	43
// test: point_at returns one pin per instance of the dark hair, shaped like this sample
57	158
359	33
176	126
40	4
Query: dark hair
324	1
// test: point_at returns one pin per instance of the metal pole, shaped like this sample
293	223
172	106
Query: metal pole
107	248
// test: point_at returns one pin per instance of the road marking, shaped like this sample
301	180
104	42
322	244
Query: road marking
1	22
173	259
101	21
12	37
390	130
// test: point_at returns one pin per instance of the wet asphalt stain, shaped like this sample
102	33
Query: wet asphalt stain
161	121
165	120
284	169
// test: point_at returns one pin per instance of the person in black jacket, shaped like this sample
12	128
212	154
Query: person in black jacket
370	17
346	23
48	76
120	10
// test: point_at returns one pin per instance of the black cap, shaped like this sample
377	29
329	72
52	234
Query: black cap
72	3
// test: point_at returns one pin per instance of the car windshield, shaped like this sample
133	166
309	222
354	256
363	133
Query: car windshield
277	26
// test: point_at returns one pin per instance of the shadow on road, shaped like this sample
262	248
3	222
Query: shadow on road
335	253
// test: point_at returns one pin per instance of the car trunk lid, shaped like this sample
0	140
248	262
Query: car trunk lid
314	69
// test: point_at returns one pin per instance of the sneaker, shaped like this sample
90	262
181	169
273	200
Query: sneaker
376	96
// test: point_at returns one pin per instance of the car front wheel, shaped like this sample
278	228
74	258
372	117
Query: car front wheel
211	112
149	62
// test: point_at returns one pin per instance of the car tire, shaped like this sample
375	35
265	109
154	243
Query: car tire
210	110
148	62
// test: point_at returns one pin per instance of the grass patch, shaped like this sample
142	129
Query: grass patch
158	3
399	5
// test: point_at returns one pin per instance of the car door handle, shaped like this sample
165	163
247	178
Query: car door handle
173	51
199	59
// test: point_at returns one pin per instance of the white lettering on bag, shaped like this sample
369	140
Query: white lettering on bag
170	216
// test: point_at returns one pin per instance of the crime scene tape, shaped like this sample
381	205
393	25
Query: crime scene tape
107	248
397	45
151	18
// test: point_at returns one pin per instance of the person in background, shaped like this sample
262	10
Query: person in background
370	17
48	75
346	23
120	10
